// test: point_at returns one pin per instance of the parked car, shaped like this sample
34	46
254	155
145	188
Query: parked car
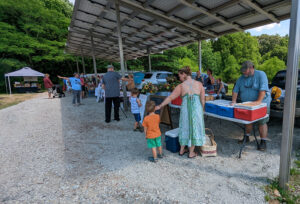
277	88
159	77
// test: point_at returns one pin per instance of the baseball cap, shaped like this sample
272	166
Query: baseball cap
109	66
246	65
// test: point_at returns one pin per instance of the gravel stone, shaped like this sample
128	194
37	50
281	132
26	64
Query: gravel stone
52	152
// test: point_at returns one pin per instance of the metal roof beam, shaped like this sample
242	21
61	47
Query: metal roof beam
105	37
214	10
161	17
256	7
214	16
251	13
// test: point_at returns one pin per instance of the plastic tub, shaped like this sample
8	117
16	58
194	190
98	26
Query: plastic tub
172	141
250	113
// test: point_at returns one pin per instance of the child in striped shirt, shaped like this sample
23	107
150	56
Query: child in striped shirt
135	109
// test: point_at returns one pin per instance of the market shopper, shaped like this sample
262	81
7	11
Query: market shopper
111	85
253	86
48	85
76	88
191	122
82	82
152	132
130	85
210	80
220	88
199	77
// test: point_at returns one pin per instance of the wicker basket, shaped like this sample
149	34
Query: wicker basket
209	98
209	150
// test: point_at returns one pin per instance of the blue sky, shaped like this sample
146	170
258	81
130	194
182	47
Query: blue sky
272	29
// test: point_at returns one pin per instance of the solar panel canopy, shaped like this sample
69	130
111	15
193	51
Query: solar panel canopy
151	26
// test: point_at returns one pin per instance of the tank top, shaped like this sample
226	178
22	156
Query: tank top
134	105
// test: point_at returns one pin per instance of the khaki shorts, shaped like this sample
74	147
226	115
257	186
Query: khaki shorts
266	120
50	90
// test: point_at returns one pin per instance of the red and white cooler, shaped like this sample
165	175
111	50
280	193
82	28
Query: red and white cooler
246	111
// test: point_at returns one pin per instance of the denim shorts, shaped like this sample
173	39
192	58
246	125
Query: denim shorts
137	117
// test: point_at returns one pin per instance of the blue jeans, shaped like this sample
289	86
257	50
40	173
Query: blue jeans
76	95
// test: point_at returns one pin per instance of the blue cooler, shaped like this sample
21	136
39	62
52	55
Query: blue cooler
226	111
171	139
210	107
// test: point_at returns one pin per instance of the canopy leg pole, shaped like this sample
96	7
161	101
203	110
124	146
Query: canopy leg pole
94	59
9	85
5	84
82	59
199	56
149	59
121	51
290	95
77	65
126	69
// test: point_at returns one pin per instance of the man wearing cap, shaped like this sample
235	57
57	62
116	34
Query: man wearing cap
253	86
111	85
76	87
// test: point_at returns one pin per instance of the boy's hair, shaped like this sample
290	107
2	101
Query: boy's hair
150	106
135	91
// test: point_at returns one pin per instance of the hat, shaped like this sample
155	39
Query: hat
109	66
246	65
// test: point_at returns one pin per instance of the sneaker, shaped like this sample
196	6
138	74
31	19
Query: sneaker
135	130
263	145
160	156
107	121
141	129
117	119
152	159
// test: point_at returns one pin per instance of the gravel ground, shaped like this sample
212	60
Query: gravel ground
52	152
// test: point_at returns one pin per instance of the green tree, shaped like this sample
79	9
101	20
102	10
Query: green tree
272	66
232	70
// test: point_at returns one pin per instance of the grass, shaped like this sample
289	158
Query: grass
230	88
7	100
275	194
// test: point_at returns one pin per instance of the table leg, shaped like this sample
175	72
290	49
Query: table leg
254	133
244	143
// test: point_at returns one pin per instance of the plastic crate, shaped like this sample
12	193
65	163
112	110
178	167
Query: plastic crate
177	101
226	111
250	113
211	108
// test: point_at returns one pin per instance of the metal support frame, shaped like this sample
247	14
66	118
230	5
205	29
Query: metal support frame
5	84
94	59
199	55
290	95
82	59
117	6
125	63
9	85
149	59
77	65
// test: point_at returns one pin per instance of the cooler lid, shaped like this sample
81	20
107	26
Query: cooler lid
172	133
249	107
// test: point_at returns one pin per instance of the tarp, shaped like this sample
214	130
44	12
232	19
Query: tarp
26	71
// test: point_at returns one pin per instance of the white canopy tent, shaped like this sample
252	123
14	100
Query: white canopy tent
24	72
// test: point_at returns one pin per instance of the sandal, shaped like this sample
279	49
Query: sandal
185	151
192	156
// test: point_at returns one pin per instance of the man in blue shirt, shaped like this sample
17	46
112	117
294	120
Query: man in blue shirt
253	86
76	87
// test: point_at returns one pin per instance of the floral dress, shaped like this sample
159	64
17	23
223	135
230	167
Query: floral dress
191	122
